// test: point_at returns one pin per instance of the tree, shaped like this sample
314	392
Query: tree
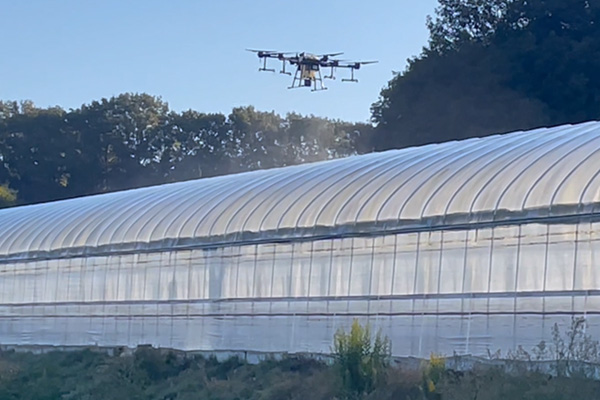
463	21
310	138
495	66
134	140
445	97
35	151
122	135
253	139
194	146
266	140
553	50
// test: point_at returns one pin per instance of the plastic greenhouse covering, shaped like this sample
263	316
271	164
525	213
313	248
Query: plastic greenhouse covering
466	247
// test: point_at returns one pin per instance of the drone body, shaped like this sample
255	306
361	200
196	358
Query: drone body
308	67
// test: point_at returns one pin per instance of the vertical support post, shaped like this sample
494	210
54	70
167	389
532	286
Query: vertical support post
157	300
274	265
190	300
328	312
370	294
575	260
489	282
516	288
350	275
145	300
545	281
129	296
107	261
439	288
291	344
116	302
308	294
92	274
464	284
203	319
172	294
417	255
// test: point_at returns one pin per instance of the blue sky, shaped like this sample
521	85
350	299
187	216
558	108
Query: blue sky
191	53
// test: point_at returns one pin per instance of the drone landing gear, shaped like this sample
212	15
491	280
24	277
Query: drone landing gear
303	81
283	71
331	75
352	79
264	67
320	82
318	89
295	79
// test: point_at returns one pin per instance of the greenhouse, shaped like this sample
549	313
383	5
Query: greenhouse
468	247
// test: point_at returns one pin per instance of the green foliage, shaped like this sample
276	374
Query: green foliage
460	21
433	373
495	66
574	344
361	360
574	352
161	374
8	196
495	384
135	140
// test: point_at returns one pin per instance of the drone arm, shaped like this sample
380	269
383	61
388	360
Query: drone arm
354	66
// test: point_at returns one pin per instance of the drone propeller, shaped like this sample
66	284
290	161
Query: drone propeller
262	51
326	57
337	60
263	55
357	64
267	53
352	64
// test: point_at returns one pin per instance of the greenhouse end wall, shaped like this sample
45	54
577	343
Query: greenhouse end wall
467	291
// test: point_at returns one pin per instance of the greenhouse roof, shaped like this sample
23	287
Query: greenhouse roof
544	173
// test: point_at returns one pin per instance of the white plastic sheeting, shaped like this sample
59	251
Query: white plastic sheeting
465	246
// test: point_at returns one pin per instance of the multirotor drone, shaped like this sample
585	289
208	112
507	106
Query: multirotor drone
308	67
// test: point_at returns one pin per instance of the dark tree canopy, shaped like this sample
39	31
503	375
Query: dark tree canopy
462	21
495	66
134	140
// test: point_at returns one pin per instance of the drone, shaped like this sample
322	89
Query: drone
308	67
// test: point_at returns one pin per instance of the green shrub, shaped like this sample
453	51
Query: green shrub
433	373
8	196
360	359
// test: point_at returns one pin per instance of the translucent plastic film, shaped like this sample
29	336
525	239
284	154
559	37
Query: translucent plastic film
445	291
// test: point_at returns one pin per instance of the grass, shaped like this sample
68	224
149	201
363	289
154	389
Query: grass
152	374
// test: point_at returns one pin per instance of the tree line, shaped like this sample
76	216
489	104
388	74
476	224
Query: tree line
134	140
494	66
